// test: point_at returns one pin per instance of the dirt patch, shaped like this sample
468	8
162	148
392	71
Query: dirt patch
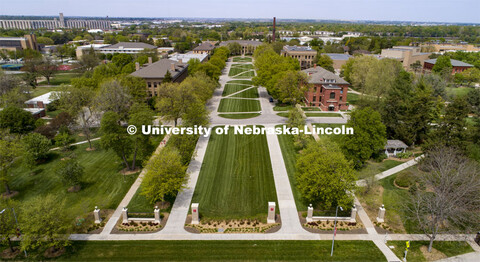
163	205
7	253
74	189
432	256
90	149
53	252
127	171
12	194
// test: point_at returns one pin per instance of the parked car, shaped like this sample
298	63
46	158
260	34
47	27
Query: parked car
270	99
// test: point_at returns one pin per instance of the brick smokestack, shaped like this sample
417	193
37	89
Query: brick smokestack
274	25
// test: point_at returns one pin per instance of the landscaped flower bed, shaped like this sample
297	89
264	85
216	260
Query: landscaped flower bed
141	226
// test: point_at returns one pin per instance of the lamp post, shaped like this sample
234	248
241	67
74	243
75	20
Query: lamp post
335	227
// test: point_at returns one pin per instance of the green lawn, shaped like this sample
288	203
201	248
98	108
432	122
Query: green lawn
242	59
240	116
247	74
352	98
283	114
61	78
102	183
233	88
40	90
239	105
282	107
458	91
449	248
236	179
250	93
323	115
220	251
247	82
239	68
310	108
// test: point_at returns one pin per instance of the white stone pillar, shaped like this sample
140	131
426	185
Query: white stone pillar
96	214
271	213
381	214
353	215
156	212
125	215
310	213
195	216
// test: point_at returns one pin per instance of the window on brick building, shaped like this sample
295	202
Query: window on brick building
332	95
314	98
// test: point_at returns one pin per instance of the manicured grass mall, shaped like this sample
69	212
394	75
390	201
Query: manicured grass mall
238	105
233	88
222	251
236	179
242	59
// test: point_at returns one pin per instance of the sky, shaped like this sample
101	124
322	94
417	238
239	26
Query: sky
463	11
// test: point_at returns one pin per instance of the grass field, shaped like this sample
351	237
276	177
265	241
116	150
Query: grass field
373	168
352	98
40	90
239	105
233	88
239	116
219	251
247	82
236	179
282	107
448	248
102	183
236	69
250	93
242	59
310	108
247	74
323	115
61	78
458	91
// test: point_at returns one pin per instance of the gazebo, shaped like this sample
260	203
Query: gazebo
393	147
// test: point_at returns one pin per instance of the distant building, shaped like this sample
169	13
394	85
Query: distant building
204	48
59	23
450	47
126	48
42	101
407	55
184	58
19	43
248	46
393	147
328	91
154	73
304	54
80	51
339	60
457	66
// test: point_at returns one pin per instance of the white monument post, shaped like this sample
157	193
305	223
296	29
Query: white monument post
381	214
310	214
125	215
353	215
156	212
195	217
271	213
96	215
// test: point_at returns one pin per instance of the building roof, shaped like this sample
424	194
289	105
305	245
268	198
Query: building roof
299	48
205	46
186	57
45	98
319	74
159	69
395	144
124	45
242	42
334	56
453	61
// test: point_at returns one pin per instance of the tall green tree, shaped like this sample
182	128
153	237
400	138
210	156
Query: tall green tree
165	175
16	120
140	114
8	225
10	151
51	226
291	86
443	63
70	171
115	137
35	148
324	176
369	136
324	61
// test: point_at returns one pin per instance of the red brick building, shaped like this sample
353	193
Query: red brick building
328	91
457	66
